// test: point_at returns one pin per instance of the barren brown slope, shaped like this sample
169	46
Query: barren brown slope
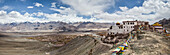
19	46
149	43
82	46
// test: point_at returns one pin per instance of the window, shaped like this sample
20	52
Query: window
131	23
112	33
120	27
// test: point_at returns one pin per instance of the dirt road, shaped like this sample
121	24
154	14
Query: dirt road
20	46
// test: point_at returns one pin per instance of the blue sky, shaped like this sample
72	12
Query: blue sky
21	5
83	10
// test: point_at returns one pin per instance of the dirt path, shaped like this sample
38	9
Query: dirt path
19	46
149	44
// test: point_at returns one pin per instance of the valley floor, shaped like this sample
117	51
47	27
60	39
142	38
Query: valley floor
20	46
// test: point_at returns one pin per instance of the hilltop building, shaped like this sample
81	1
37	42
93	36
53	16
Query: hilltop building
157	27
127	27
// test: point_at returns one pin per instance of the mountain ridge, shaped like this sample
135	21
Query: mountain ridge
52	26
165	22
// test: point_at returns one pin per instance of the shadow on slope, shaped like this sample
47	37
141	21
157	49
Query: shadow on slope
1	35
84	45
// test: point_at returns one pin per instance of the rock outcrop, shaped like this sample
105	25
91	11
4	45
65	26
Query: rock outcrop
165	22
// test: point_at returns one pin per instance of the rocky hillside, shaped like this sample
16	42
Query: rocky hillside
51	26
91	25
165	22
29	27
82	46
149	43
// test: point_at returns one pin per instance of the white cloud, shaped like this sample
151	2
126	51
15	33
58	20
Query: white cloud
6	8
61	7
123	8
30	7
38	4
3	13
40	14
53	5
89	7
64	10
15	16
151	10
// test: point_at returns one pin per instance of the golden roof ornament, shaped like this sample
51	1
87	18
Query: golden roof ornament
156	24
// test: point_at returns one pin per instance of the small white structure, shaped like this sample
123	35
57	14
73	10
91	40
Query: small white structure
115	30
126	27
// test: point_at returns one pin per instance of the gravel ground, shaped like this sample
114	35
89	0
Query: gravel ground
149	44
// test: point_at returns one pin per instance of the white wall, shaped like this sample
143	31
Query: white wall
129	27
115	29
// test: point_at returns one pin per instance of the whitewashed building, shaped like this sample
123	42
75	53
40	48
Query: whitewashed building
126	27
115	30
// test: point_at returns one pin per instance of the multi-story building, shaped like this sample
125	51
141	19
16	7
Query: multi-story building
127	27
